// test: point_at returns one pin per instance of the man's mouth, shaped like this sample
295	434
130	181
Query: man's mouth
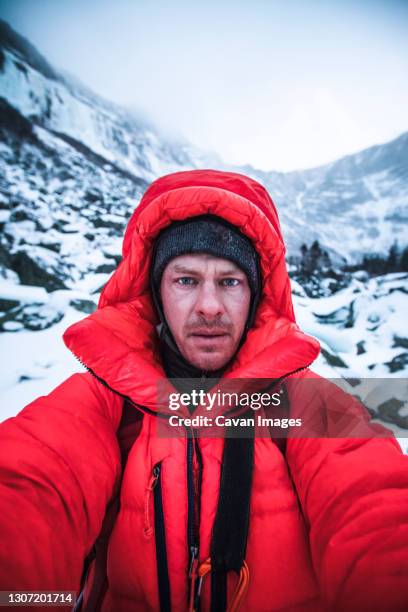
209	334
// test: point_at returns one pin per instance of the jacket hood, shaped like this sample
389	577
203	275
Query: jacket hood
118	342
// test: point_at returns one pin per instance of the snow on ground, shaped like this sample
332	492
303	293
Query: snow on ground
363	335
35	362
22	293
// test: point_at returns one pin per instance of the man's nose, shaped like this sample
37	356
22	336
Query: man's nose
209	303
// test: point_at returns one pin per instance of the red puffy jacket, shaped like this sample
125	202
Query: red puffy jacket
328	522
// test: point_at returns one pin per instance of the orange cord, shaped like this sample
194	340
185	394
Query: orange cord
197	572
204	568
240	590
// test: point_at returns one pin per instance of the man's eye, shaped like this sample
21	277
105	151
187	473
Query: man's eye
230	282
185	280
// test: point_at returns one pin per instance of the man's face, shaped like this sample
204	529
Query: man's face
206	303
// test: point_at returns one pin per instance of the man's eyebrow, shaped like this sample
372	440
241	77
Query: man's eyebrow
232	272
185	270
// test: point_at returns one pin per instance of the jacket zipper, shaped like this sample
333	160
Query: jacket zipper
276	382
148	529
160	537
194	479
126	397
294	372
158	414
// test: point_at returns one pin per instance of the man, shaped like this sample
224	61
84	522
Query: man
204	523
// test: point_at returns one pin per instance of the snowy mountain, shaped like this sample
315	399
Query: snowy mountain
68	153
358	204
74	166
66	109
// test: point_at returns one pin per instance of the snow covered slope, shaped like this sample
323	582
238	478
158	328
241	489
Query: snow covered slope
66	108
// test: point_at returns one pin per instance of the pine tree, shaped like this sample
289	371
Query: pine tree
403	263
315	253
393	258
303	250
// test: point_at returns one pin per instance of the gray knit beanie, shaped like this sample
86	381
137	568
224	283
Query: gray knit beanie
205	234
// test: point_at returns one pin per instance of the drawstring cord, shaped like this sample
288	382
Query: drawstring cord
205	568
240	589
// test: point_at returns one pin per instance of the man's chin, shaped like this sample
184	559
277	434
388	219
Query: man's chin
208	360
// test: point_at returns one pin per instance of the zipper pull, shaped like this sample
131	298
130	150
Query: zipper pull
193	560
156	474
202	570
154	478
198	591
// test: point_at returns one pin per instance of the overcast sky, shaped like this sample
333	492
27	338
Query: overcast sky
281	85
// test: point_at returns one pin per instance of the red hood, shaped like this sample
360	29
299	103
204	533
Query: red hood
118	341
228	181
